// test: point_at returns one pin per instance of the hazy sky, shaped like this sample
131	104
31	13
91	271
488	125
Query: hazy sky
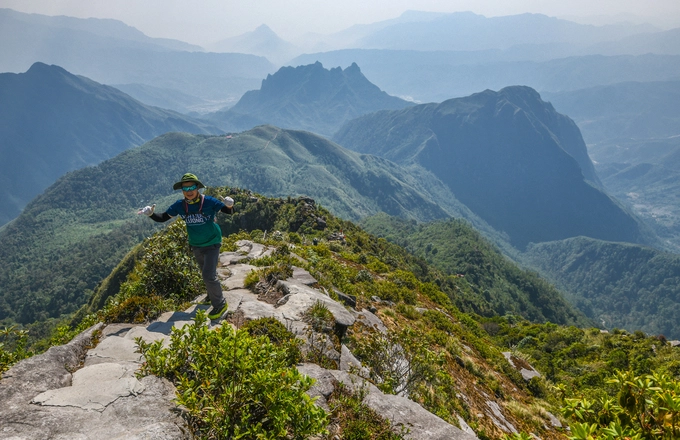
207	21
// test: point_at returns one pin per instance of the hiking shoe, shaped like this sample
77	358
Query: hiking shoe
216	314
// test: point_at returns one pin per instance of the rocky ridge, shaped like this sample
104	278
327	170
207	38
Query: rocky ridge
88	389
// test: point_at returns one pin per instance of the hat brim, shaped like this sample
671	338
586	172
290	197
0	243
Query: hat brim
178	185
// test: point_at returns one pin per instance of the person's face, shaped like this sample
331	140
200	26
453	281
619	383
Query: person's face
190	190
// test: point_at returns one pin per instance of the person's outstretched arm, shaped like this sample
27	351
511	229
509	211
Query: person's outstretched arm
228	207
148	211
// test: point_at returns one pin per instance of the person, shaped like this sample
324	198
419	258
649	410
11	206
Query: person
205	236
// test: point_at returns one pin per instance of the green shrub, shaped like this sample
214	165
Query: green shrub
12	347
277	334
234	385
294	237
646	407
321	336
356	420
135	309
397	362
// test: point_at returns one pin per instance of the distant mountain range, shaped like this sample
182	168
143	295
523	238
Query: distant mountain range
262	41
509	157
622	111
110	52
469	31
437	76
55	122
633	136
307	98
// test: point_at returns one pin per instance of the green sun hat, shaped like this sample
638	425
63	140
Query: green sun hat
188	177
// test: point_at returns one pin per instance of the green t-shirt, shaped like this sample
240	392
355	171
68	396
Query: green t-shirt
200	220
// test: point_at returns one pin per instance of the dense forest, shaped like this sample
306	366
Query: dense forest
619	284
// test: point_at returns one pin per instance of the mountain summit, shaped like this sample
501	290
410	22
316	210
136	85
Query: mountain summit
262	41
508	156
308	97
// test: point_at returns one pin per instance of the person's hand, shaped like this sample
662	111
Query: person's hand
147	210
228	201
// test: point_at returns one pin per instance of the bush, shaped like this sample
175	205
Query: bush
234	385
398	362
356	420
278	335
647	407
12	347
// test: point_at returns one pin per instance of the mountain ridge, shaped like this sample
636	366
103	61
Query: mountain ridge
109	54
267	159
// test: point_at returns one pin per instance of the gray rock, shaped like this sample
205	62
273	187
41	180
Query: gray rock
401	411
324	383
554	421
156	331
114	348
348	300
304	277
94	387
370	320
465	427
304	297
349	361
237	276
498	417
149	415
254	250
525	369
228	258
117	329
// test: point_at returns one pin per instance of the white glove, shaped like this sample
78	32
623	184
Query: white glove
147	210
228	201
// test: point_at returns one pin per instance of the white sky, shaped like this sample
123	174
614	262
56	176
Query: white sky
207	21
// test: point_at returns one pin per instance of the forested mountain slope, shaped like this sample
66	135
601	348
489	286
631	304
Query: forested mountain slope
54	122
70	237
509	157
618	284
497	285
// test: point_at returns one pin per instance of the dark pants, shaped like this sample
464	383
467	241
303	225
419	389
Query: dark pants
207	258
